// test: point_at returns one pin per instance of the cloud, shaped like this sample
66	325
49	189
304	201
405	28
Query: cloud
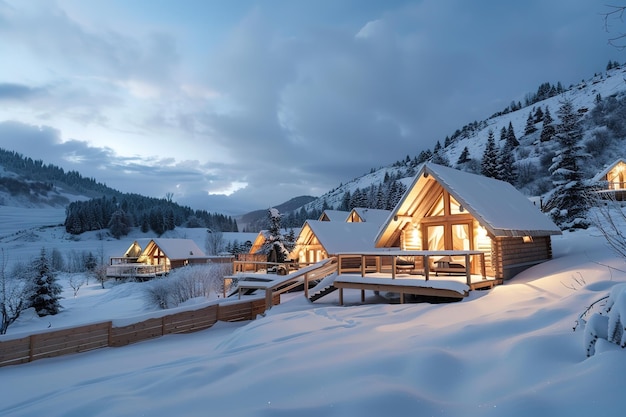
290	101
14	92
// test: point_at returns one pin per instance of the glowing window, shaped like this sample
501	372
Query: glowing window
438	208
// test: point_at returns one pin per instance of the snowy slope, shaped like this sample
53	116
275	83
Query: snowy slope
583	95
506	352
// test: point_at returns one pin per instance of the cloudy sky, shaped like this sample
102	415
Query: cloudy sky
241	105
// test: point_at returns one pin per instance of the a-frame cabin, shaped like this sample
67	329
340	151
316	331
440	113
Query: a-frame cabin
448	209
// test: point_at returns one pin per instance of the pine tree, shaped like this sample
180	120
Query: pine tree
489	164
503	133
548	130
119	224
275	245
510	137
464	157
45	295
530	125
506	164
567	203
538	115
440	159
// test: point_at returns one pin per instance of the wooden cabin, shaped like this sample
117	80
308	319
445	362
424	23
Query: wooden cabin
319	240
158	257
173	253
361	214
448	209
612	181
334	216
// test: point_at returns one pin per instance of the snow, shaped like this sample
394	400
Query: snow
509	351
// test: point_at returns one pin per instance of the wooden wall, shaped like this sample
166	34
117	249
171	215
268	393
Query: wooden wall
511	255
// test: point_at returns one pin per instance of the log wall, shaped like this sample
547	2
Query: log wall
511	255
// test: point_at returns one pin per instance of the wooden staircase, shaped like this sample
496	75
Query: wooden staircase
321	293
275	285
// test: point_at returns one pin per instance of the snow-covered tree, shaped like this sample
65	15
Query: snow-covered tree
276	246
511	139
567	203
530	125
548	130
120	224
464	157
489	164
506	164
46	291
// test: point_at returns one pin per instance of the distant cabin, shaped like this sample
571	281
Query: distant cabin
334	216
319	240
448	209
612	180
156	257
360	214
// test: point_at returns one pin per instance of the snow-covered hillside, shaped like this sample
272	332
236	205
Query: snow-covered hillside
507	352
584	96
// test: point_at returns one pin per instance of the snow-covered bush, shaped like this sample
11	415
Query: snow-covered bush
609	323
186	283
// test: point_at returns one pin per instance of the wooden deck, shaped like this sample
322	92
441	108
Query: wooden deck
452	287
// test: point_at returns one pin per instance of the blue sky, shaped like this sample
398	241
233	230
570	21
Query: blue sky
241	105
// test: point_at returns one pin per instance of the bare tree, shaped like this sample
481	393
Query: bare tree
13	296
615	13
610	219
76	281
100	273
214	242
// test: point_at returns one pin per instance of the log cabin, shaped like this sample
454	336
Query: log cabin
448	209
319	240
612	181
157	257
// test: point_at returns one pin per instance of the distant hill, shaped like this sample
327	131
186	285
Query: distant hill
91	205
254	221
600	100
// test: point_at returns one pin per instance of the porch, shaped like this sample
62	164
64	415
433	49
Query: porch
413	273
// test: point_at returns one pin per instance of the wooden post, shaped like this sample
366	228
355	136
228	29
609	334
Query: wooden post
268	298
401	298
306	285
468	271
426	267
340	296
362	296
363	265
393	266
483	268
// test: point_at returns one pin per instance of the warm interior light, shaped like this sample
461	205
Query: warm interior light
527	239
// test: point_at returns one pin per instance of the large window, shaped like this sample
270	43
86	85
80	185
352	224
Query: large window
447	225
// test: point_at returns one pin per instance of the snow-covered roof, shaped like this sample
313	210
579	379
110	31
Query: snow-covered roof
495	204
338	237
369	215
178	248
601	176
334	215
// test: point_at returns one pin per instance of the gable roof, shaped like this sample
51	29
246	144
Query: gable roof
334	215
369	215
337	237
176	249
601	176
495	204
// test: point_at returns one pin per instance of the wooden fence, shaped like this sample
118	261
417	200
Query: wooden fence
104	334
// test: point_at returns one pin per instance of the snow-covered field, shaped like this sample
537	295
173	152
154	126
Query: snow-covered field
508	352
